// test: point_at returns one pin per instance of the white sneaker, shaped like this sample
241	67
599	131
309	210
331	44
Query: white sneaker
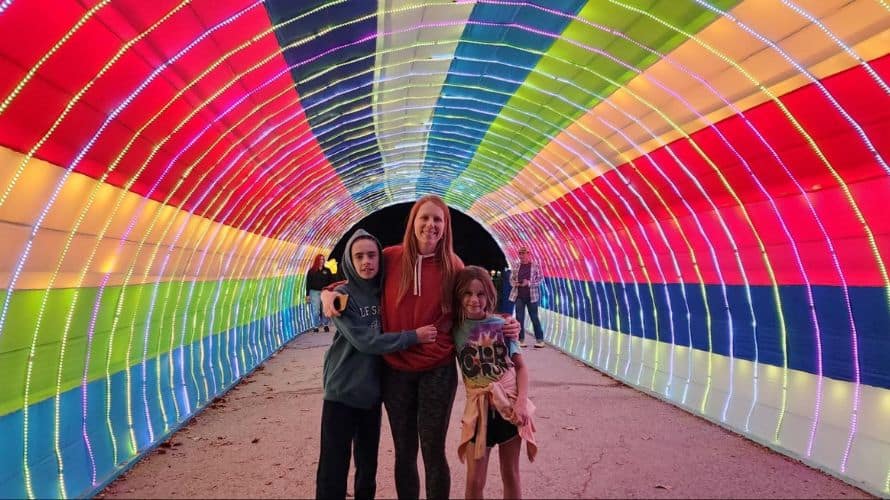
539	343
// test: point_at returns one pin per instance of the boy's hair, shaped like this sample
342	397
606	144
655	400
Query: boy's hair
462	281
360	238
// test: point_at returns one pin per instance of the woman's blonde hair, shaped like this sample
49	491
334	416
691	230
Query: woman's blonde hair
444	251
462	280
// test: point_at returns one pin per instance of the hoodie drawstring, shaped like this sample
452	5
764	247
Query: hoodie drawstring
417	272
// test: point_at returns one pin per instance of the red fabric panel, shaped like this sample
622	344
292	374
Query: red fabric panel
69	70
839	143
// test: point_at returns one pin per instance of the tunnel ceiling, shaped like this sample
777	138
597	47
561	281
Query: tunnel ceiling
258	114
707	175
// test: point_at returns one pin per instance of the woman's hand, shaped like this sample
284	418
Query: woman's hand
426	334
520	412
511	328
328	299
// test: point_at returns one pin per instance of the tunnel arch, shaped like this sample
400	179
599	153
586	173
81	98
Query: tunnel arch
703	183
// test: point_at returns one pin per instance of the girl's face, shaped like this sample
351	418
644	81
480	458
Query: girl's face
429	226
473	301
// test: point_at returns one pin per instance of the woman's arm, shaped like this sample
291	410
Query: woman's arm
520	408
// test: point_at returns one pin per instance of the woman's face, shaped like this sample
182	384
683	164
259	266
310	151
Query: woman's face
429	226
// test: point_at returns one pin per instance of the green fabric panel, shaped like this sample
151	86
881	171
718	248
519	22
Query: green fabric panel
544	105
128	341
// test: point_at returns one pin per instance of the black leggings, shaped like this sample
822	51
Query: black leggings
419	406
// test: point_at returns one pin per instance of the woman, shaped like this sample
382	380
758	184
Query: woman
419	383
317	278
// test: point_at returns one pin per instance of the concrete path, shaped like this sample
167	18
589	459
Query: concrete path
597	438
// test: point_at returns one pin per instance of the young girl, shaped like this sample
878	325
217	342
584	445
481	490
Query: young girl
498	411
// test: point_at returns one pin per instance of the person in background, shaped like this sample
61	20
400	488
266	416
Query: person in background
317	278
526	281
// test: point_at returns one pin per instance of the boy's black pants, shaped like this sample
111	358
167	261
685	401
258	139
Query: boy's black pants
342	428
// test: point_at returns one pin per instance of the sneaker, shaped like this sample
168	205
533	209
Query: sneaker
539	343
327	328
522	343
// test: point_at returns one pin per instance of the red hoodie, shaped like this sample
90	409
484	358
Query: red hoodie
414	311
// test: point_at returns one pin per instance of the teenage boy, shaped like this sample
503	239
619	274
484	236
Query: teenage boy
351	410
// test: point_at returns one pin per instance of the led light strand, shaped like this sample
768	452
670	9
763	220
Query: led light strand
864	137
809	204
846	48
68	243
48	55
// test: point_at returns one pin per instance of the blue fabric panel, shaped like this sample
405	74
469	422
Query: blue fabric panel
340	115
222	366
872	317
12	479
463	102
628	308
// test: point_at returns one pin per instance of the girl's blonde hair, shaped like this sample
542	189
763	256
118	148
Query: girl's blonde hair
444	251
462	281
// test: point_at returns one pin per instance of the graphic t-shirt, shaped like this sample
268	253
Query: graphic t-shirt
482	352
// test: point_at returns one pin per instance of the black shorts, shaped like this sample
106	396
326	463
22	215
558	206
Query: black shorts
499	430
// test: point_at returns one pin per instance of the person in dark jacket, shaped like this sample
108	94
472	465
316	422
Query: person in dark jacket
351	410
317	278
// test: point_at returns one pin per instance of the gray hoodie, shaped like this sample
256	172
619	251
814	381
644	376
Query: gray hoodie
352	364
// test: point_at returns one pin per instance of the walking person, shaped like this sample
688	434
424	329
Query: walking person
526	281
317	279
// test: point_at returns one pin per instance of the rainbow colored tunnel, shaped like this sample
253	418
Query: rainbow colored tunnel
705	183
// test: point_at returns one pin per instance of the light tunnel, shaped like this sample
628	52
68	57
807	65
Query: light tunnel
705	184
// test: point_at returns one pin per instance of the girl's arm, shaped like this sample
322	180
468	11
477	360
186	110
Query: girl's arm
520	408
511	327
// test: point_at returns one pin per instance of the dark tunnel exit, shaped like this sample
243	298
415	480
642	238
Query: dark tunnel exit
472	242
